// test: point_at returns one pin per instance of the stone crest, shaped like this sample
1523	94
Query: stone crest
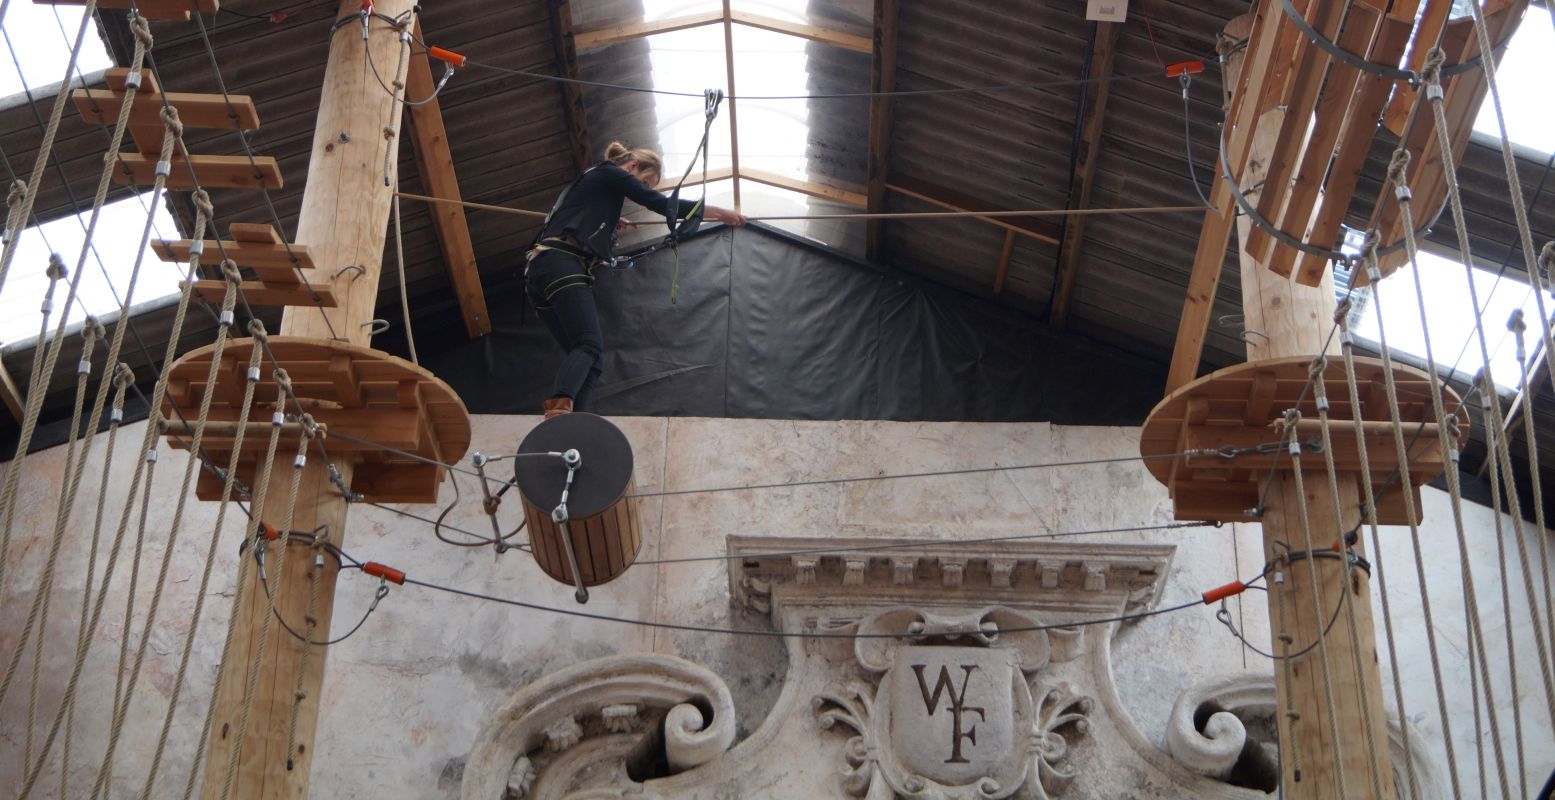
912	672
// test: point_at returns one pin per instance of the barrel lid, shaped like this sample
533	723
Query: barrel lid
600	481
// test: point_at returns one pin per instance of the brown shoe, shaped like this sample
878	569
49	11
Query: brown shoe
557	406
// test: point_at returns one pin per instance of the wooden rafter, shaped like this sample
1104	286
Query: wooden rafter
695	178
812	188
734	126
615	34
882	78
1103	47
435	164
572	95
951	200
10	394
814	33
1004	262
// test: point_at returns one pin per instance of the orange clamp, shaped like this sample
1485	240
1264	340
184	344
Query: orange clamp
271	534
1222	592
1182	68
447	56
384	571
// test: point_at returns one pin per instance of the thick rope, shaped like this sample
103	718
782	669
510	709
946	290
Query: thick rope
1368	494
55	273
1320	395
46	146
1517	326
229	300
1433	93
38	616
253	537
145	467
230	271
41	379
257	540
255	666
1495	442
1396	174
1293	416
399	262
300	693
123	379
1504	457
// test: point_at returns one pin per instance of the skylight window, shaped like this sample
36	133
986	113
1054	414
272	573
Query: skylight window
1454	341
39	39
1523	80
105	275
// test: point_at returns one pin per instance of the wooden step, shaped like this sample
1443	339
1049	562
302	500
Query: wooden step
273	263
171	10
268	294
213	172
101	106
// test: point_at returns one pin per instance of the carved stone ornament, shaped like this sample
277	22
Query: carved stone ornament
912	671
1224	728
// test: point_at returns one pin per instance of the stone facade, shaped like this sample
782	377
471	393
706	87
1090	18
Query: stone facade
411	702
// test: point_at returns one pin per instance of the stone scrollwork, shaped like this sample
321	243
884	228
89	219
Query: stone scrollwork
578	727
1225	729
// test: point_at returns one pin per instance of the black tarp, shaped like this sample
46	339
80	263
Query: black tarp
765	326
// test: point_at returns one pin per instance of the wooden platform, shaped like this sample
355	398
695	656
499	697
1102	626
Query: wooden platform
212	172
164	10
352	390
1237	407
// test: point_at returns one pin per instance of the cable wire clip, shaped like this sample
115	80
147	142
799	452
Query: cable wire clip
574	460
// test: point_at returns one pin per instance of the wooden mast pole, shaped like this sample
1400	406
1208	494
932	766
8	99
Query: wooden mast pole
343	222
1296	320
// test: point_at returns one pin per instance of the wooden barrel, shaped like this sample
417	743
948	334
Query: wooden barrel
602	516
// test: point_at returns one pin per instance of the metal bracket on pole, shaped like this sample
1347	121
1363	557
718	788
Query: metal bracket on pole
573	459
491	502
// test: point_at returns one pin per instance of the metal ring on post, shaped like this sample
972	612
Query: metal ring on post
1381	70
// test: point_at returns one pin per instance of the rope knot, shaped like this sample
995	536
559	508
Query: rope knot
142	30
1454	431
170	119
388	132
1290	418
202	202
56	270
310	428
1431	73
282	379
92	329
1342	312
18	191
1398	165
230	274
256	329
1515	322
123	376
1315	369
1547	256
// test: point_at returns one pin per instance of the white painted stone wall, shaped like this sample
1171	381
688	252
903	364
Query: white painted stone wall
405	698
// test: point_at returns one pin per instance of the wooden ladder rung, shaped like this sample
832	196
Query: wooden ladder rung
270	261
265	294
213	172
194	110
174	10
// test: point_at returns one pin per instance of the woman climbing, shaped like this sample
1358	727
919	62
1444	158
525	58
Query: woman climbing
578	235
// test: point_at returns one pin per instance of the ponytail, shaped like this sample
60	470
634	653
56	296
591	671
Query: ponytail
647	160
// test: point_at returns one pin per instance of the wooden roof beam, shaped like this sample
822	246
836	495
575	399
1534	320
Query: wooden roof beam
882	78
820	189
616	34
814	33
14	400
1035	227
1104	41
572	93
435	164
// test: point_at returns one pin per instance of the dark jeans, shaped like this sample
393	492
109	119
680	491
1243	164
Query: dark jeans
569	313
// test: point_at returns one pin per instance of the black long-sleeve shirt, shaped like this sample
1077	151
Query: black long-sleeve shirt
591	207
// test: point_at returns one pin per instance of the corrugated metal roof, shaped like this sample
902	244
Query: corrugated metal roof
1006	149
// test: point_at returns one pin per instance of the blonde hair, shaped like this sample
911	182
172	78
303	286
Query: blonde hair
647	160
